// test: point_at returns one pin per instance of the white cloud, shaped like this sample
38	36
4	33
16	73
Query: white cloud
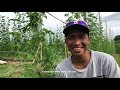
8	14
51	22
104	14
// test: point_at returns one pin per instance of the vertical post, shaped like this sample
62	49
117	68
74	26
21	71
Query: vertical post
40	29
106	39
99	30
110	40
106	27
39	50
84	16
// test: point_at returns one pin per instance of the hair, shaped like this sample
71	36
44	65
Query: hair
82	30
67	34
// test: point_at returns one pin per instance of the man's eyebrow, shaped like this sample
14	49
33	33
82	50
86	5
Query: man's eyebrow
78	34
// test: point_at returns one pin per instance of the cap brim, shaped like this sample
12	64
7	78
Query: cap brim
76	26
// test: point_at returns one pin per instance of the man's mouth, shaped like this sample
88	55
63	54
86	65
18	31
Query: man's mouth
77	48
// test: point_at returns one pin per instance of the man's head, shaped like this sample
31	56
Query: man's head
80	25
77	37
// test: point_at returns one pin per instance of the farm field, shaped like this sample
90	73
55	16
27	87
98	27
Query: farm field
33	51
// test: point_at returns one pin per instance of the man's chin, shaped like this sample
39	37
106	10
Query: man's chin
77	54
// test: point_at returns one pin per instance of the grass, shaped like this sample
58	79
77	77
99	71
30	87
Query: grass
6	71
117	58
22	70
23	56
28	70
11	70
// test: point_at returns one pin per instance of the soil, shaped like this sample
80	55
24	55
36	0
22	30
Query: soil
16	75
17	63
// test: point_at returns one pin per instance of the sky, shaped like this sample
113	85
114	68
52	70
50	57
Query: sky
51	22
57	14
7	14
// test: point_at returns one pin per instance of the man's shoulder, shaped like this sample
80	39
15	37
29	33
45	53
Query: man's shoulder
103	56
64	63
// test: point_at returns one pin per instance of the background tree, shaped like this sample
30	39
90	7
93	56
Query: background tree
117	44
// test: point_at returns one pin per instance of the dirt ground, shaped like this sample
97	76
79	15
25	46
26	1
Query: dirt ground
17	63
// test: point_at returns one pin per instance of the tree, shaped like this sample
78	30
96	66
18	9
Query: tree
4	33
117	44
117	38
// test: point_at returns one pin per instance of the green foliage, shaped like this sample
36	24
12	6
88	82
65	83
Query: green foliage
28	74
117	58
29	71
6	71
117	38
22	36
117	47
117	44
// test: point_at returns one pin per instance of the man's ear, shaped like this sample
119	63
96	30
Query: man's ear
89	39
65	40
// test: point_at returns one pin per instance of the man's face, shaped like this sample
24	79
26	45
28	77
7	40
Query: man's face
77	42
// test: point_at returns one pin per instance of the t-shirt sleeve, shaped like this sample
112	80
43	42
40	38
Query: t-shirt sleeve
113	68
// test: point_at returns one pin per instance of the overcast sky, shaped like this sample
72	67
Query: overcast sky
57	14
51	22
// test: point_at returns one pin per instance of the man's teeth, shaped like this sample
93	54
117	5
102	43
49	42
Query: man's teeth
77	48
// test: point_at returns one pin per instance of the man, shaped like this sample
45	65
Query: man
84	63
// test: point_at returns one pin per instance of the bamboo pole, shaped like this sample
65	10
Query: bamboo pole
106	28
84	16
39	50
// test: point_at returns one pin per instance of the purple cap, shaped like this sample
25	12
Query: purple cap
77	24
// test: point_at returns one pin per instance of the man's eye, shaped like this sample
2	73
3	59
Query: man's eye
82	37
70	37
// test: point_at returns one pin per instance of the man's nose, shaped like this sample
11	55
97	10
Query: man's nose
76	41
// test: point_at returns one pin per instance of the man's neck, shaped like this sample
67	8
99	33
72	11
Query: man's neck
81	62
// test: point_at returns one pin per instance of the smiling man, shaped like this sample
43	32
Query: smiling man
84	63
